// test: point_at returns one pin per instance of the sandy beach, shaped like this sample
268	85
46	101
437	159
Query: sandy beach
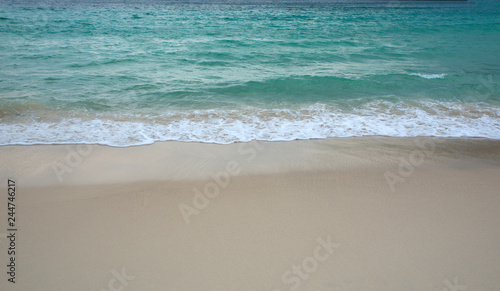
372	213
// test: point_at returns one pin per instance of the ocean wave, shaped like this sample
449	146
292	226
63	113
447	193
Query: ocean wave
250	123
429	76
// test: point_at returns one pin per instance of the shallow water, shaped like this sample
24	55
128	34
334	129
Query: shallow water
128	74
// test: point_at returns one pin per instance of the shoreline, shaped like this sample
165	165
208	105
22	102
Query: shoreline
77	164
312	214
262	141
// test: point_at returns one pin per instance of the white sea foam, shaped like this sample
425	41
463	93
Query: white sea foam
429	76
249	123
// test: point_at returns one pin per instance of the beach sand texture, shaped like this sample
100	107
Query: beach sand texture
372	213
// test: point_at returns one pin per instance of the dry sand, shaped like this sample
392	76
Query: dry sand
372	213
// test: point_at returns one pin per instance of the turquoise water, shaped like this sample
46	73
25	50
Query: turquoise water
129	74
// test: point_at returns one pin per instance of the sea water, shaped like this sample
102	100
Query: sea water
126	73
